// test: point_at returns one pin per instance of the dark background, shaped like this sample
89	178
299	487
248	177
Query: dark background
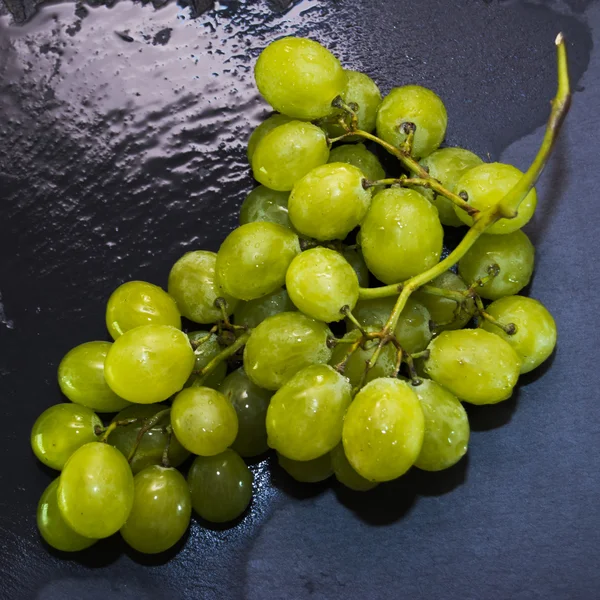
122	145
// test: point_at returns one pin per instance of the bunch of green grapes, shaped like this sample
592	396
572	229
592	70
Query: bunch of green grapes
316	239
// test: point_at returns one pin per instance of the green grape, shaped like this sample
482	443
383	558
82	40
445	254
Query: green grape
250	403
149	363
320	283
192	284
447	165
221	486
53	527
535	336
329	202
259	133
253	312
153	442
282	345
305	416
95	492
446	427
485	187
138	303
287	153
253	259
299	77
514	255
475	365
204	353
307	471
263	204
401	235
363	91
445	312
383	429
161	511
358	156
357	362
357	262
344	472
60	430
81	378
204	421
413	104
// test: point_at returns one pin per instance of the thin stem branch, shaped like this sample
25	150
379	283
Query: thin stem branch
147	426
106	431
165	457
438	188
223	355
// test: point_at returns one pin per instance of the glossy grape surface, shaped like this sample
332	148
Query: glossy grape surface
344	472
204	353
253	312
263	204
358	156
259	133
307	471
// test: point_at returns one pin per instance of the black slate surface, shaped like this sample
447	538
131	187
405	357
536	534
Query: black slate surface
122	145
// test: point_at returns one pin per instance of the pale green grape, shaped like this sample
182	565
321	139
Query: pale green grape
287	153
446	427
513	253
307	471
383	429
253	312
221	486
138	303
253	259
485	186
535	336
358	156
152	444
282	345
53	528
475	365
60	430
357	262
95	492
204	353
305	416
299	77
413	104
320	283
401	235
329	202
344	472
81	378
192	284
259	133
161	511
204	421
263	204
250	403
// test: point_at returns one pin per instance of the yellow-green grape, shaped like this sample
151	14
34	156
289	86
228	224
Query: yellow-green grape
320	283
95	492
357	262
535	335
263	204
204	353
358	156
401	235
192	283
445	312
282	345
299	78
513	254
221	486
81	378
204	421
360	90
475	365
53	528
152	443
259	133
138	303
161	511
307	471
250	403
60	430
383	429
329	202
417	105
253	312
485	186
446	427
447	165
344	472
305	416
149	363
287	153
253	259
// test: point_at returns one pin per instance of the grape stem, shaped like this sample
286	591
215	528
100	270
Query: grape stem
509	328
223	355
104	432
166	463
149	423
